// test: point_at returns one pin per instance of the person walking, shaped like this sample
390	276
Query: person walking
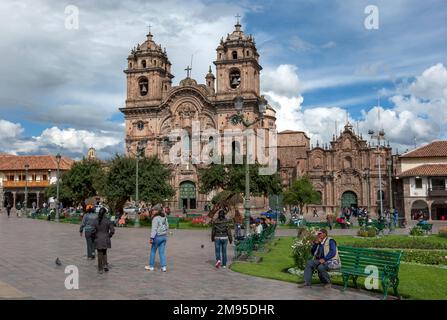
88	226
159	238
221	235
8	208
103	232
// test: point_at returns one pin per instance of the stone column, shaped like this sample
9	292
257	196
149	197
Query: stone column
14	197
2	198
37	199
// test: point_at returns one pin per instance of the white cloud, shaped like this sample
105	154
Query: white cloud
282	81
420	114
9	130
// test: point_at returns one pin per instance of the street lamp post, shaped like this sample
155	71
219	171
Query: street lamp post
389	163
140	151
379	136
26	189
58	161
368	196
237	119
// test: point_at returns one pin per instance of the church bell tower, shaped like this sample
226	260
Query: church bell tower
237	66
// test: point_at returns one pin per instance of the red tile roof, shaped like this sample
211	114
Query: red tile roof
434	149
47	162
426	170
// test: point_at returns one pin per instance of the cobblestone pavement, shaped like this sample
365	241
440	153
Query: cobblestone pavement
29	249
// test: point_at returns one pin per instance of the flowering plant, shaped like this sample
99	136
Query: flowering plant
301	247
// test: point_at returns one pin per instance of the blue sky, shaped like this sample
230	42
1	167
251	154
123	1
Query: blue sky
61	89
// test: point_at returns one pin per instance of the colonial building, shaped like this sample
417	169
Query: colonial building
155	108
345	172
28	175
422	181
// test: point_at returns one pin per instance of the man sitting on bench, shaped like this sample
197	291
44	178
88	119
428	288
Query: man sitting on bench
325	258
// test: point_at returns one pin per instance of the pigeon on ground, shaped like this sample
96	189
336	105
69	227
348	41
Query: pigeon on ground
202	246
58	262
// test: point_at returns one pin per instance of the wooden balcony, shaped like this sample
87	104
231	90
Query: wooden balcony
21	184
437	192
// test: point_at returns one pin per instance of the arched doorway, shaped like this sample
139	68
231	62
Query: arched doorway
419	209
439	210
349	200
187	195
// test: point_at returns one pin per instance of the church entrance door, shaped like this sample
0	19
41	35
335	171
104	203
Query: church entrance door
187	195
348	200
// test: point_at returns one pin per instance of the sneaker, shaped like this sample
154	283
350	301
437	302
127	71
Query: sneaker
163	269
218	264
106	268
327	286
148	268
224	267
100	271
304	285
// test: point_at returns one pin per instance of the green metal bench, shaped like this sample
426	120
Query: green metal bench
174	221
254	242
355	263
427	227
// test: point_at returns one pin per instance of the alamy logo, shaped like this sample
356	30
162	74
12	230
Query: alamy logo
372	280
372	19
72	280
72	18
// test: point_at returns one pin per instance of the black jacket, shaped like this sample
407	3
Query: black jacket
221	228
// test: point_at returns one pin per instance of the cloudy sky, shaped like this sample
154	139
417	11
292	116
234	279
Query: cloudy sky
60	89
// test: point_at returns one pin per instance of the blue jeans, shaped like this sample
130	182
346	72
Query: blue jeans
221	246
160	244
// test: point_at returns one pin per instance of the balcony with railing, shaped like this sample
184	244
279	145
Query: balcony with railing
22	184
437	191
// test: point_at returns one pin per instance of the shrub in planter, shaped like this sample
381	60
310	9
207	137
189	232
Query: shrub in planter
369	232
417	231
301	247
443	232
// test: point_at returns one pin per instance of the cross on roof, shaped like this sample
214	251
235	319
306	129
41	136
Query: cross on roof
188	71
237	17
149	26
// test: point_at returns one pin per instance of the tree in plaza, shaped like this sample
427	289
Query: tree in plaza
229	179
79	183
301	193
118	182
65	195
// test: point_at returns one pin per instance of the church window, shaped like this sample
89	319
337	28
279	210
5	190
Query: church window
248	53
143	63
220	55
130	65
166	88
235	79
155	63
234	54
140	125
347	164
143	84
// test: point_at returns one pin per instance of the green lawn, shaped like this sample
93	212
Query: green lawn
416	281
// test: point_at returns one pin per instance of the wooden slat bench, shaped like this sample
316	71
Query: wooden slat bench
354	262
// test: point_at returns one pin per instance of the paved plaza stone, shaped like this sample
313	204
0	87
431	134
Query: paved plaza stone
29	249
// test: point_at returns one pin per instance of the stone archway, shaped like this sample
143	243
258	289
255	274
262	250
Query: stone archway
349	199
439	210
419	208
188	194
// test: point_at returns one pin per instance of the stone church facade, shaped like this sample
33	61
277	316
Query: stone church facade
345	172
154	108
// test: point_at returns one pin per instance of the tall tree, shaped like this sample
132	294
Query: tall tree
301	193
118	183
80	182
230	178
